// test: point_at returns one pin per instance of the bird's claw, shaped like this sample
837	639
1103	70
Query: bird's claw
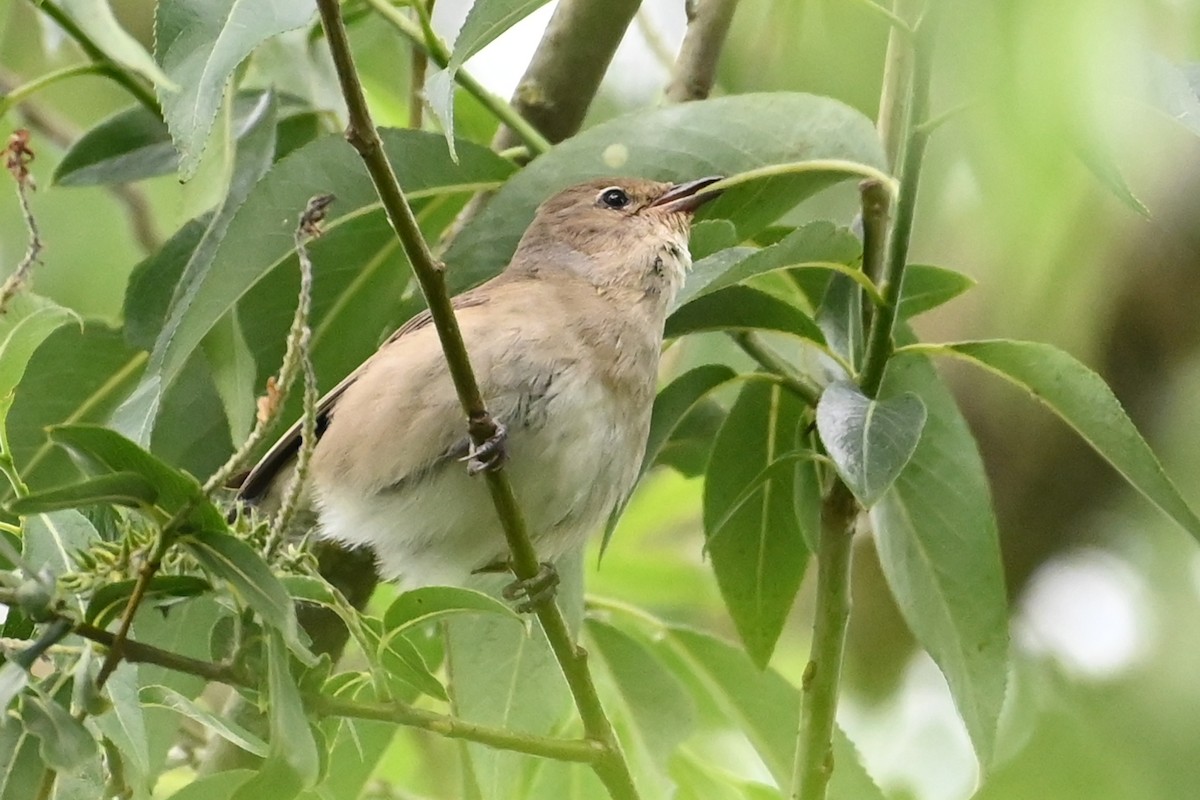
490	455
534	592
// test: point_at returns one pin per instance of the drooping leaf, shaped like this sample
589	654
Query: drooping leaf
940	553
721	136
816	242
109	600
51	540
177	492
755	542
870	441
65	743
117	488
27	322
737	308
927	287
292	763
199	44
653	714
486	20
235	562
227	729
1083	400
76	376
138	416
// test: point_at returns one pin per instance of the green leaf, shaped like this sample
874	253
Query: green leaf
818	242
870	441
75	376
65	743
135	143
26	323
1173	91
116	488
1083	400
926	287
234	373
486	20
260	235
293	762
215	786
756	545
709	236
137	417
742	308
227	729
50	540
199	44
177	491
654	715
418	606
401	660
23	766
940	553
761	705
163	591
724	136
235	562
130	145
96	18
671	406
124	724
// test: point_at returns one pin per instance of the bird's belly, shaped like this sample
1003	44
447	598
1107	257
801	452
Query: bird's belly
568	467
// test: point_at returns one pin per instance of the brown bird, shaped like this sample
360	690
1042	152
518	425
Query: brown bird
565	344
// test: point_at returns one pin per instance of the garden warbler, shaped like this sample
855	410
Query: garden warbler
565	345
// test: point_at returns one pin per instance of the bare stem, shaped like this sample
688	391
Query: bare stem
790	378
879	339
17	156
819	690
145	576
610	765
696	66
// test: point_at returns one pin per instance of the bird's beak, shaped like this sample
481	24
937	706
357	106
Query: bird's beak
685	198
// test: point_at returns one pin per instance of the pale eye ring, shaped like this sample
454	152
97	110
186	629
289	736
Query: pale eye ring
614	197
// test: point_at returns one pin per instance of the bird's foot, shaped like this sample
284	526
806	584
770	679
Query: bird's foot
490	455
534	592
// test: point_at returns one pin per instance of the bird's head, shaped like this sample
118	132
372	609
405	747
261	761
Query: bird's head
615	231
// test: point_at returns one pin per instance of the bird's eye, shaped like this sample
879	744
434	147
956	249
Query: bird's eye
614	198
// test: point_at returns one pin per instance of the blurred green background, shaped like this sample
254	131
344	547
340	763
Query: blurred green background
1065	179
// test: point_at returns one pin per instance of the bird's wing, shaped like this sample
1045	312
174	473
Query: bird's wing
276	460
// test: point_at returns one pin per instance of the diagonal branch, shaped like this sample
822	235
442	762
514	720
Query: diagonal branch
610	766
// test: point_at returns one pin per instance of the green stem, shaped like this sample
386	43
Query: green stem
819	690
26	90
879	340
436	49
610	766
145	576
93	51
753	345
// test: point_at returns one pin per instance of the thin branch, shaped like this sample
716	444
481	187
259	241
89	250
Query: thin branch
576	750
696	67
610	767
17	155
583	751
116	648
